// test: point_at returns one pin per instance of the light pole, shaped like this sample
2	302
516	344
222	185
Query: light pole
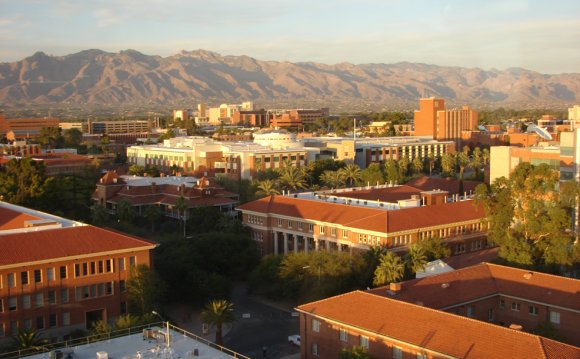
167	341
306	267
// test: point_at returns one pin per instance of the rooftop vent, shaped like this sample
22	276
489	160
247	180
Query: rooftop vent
517	327
445	285
528	275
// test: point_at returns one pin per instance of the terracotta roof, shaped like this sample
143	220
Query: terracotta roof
65	242
434	330
389	194
371	219
488	279
111	178
472	258
450	185
10	219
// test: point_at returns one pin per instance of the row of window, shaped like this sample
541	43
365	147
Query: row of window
277	159
532	310
27	301
255	219
372	240
451	231
48	275
39	322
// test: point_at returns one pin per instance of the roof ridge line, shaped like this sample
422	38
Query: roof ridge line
334	296
529	270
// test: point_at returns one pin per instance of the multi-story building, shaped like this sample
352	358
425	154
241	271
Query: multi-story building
223	115
57	275
432	119
254	118
163	192
480	312
119	126
356	219
297	118
24	128
574	116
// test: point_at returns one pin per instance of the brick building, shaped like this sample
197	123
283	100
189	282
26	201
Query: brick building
24	128
356	219
389	328
58	275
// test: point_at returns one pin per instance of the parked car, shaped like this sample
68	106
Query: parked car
294	339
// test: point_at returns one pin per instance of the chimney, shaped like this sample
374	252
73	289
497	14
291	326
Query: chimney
395	287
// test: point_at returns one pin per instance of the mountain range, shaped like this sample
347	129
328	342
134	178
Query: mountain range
97	77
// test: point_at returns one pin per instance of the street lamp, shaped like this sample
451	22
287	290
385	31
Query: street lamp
167	341
306	267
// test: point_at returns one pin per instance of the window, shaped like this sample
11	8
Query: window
315	349
13	327
310	227
1	330
122	286
100	266
65	318
364	342
123	307
343	335
502	304
121	264
27	323
132	261
85	269
39	322
397	353
470	311
11	281
37	276
421	356
62	271
93	268
289	224
109	265
490	315
77	270
533	310
12	304
321	229
26	301
515	307
555	317
24	278
333	232
52	320
64	295
300	225
50	274
39	300
51	297
344	233
279	222
315	325
1	305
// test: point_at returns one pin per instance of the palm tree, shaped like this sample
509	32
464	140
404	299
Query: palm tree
351	173
485	156
153	214
181	207
216	313
417	165
332	179
125	211
267	188
416	258
29	339
389	270
448	164
431	159
477	161
392	171
292	179
462	162
403	168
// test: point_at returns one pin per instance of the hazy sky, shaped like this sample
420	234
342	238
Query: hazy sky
541	35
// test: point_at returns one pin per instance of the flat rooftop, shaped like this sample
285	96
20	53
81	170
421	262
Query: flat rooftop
137	346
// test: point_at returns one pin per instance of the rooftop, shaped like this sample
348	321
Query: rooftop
436	331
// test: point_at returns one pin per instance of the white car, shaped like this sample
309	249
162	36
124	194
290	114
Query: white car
294	339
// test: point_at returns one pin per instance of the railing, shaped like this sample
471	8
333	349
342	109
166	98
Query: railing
111	335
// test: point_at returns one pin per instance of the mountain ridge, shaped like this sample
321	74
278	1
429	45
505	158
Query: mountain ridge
94	76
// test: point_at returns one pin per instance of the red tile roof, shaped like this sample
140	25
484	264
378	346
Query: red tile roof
10	219
371	219
111	178
434	330
445	184
65	242
487	279
472	258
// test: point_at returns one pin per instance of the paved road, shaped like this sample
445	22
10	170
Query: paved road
266	326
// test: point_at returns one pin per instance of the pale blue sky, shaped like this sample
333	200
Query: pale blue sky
538	35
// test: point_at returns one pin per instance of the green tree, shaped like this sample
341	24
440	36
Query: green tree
403	166
99	215
477	163
50	137
29	339
356	352
144	289
463	162
73	137
136	170
434	248
291	178
153	214
216	314
351	173
448	163
373	175
181	207
392	173
389	270
417	166
125	211
22	181
415	258
333	179
267	188
101	330
431	162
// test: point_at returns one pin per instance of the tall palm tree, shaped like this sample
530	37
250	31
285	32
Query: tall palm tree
462	162
217	313
389	270
153	214
416	258
417	165
431	159
477	161
448	164
29	339
403	168
267	188
292	179
181	206
351	173
332	179
125	211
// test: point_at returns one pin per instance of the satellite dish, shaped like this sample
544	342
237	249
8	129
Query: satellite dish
482	128
540	131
